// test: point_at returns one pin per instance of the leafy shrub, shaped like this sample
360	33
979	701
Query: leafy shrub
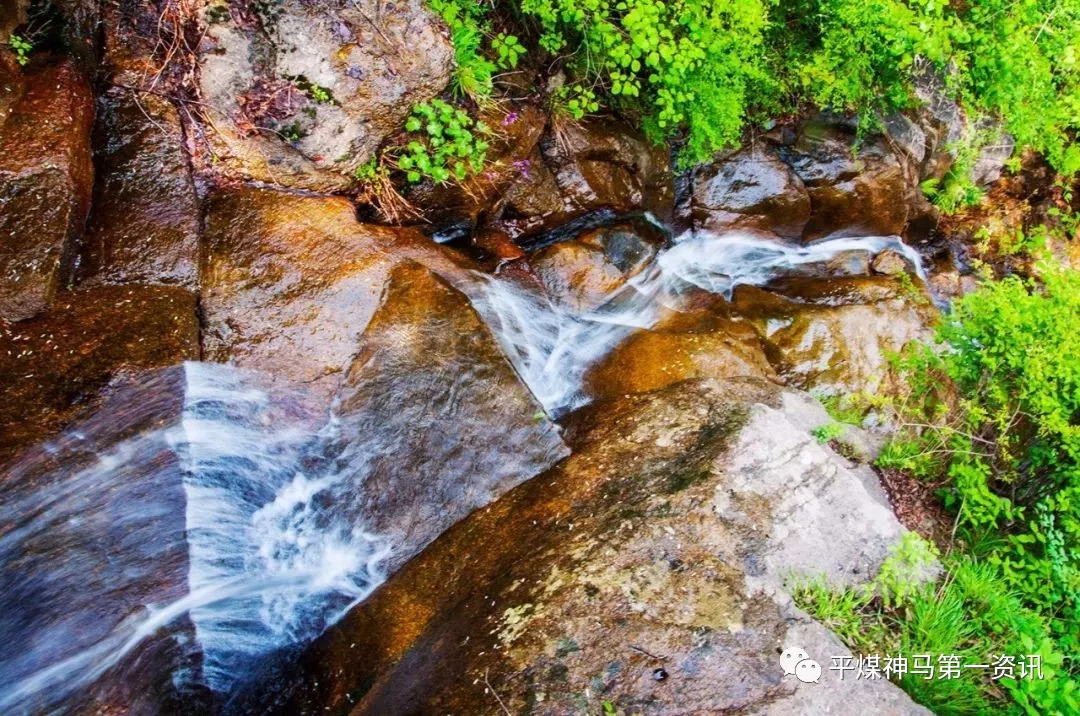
995	417
699	70
445	144
469	25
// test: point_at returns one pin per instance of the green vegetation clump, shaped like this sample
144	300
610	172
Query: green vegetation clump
699	70
992	418
21	47
971	613
469	25
447	144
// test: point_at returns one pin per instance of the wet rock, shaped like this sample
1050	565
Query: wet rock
517	130
534	203
890	263
662	543
290	281
54	365
583	273
302	95
835	335
499	244
606	164
751	189
144	227
906	134
699	344
852	193
445	425
46	174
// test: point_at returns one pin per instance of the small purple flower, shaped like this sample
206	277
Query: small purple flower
523	166
510	119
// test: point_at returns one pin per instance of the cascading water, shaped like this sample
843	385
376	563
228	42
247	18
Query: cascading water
552	347
212	517
193	539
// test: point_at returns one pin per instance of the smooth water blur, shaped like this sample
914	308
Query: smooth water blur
198	522
553	347
205	532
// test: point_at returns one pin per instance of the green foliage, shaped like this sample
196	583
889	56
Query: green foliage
971	612
508	49
685	65
699	70
574	101
828	432
995	418
446	144
469	25
21	47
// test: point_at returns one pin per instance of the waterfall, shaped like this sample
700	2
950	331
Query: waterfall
552	347
221	490
201	521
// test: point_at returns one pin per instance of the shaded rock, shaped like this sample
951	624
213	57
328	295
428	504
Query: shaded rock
907	135
428	391
606	164
54	365
751	189
46	176
890	263
301	95
144	227
993	155
700	344
517	131
835	335
534	203
290	281
662	542
583	273
497	243
863	193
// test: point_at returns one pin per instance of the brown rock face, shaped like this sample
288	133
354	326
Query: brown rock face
260	67
289	282
699	344
442	423
835	335
52	366
851	194
145	222
583	273
889	263
751	189
658	544
606	164
46	175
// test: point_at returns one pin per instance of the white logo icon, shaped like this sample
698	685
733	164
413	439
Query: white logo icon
798	662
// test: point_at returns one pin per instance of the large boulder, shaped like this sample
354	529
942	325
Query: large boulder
46	175
144	227
55	365
583	273
301	95
290	281
836	335
855	188
750	189
701	343
438	422
646	571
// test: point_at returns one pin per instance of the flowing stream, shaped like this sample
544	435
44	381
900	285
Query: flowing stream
198	538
